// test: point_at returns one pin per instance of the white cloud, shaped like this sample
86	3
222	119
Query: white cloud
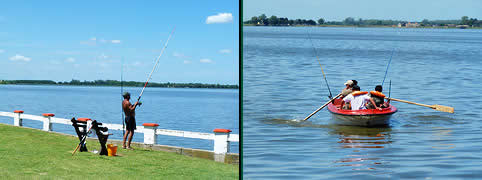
54	62
70	59
2	51
94	40
103	56
179	55
137	63
87	43
19	57
220	18
187	62
61	52
176	54
205	60
225	51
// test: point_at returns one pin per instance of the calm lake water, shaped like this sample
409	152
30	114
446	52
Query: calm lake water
283	81
197	110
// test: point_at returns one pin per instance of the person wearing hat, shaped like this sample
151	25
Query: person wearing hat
354	82
130	119
348	89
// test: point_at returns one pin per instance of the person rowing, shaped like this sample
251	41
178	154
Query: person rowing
348	90
357	99
378	97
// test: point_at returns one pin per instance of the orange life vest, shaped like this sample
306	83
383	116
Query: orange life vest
378	94
357	93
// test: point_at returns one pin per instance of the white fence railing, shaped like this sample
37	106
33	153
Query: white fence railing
221	137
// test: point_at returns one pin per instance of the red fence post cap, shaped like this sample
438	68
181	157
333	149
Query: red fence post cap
150	124
222	131
84	119
18	111
48	114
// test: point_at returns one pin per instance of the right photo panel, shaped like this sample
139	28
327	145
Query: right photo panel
361	89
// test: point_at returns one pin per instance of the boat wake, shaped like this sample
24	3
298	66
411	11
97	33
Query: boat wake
294	123
435	119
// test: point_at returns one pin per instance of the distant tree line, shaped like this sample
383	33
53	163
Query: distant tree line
118	83
472	21
263	20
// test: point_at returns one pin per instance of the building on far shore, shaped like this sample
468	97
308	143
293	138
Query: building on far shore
408	24
415	24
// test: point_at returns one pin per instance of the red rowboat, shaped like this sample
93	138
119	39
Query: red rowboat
365	117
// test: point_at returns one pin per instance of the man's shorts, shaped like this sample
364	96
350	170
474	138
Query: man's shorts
130	123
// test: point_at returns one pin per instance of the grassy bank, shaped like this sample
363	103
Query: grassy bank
34	154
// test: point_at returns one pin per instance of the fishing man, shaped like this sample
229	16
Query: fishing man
130	119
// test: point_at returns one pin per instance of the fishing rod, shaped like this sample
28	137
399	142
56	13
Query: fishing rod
319	62
82	141
122	93
389	90
157	61
388	65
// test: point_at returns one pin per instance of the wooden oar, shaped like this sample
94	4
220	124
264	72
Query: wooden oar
321	107
436	106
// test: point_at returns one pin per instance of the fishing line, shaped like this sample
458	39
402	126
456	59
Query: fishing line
388	65
319	62
157	61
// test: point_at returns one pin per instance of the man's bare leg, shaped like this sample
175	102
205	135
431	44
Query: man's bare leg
130	139
124	140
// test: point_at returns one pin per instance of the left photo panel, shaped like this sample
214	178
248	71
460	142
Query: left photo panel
144	90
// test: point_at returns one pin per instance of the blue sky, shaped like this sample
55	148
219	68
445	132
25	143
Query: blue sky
337	10
89	40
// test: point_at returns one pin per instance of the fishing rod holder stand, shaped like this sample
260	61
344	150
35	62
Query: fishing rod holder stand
81	126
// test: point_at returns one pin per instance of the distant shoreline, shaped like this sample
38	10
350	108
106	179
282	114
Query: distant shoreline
367	26
463	23
115	83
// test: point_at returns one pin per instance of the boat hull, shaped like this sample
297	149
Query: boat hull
362	120
366	117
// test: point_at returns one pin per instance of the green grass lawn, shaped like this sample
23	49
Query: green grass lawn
34	154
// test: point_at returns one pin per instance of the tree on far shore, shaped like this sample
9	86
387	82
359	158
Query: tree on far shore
425	22
465	20
273	20
321	21
262	19
349	21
